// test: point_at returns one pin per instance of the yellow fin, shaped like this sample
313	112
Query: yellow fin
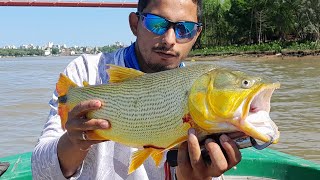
85	83
63	111
157	156
94	135
62	87
138	158
120	74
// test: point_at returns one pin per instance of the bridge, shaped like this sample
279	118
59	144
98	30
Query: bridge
59	3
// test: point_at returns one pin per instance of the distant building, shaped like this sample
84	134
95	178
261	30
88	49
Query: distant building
49	44
30	46
24	46
119	44
47	52
10	47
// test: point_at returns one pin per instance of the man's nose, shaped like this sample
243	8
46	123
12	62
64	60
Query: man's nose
169	38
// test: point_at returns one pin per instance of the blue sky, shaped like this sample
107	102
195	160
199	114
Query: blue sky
61	25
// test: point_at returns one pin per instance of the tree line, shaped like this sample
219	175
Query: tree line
243	22
21	52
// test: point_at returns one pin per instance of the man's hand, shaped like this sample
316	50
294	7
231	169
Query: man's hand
192	166
73	145
78	124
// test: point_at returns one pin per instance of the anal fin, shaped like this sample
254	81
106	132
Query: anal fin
157	156
138	158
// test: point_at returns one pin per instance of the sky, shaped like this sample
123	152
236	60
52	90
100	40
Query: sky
64	25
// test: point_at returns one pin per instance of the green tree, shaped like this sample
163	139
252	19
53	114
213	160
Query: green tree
55	51
215	27
312	14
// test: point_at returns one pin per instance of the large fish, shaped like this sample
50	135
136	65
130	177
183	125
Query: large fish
153	112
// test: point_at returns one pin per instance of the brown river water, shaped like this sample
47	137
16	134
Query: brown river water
27	83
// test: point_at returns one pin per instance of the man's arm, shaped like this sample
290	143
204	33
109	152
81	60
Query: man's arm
45	161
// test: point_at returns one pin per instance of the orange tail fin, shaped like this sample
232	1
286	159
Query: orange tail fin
62	87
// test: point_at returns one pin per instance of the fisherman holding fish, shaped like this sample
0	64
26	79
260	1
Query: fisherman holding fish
70	145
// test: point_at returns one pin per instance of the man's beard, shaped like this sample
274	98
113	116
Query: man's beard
158	67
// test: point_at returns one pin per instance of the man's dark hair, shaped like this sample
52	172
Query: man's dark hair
144	3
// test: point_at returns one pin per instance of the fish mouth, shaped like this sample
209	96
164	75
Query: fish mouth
254	115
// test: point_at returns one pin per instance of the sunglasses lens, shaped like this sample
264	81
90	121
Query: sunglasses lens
156	24
186	30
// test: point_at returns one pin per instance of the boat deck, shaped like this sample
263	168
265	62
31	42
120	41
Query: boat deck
255	164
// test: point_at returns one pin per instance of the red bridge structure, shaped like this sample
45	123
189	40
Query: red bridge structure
59	3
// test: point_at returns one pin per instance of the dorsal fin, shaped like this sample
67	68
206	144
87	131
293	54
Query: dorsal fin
120	74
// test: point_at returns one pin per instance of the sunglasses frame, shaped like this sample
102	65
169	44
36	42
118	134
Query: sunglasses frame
170	24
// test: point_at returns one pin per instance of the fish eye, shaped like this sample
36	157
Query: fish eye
246	83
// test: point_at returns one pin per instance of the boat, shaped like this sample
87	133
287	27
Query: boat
255	164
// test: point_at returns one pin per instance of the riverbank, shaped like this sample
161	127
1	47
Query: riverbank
271	50
292	55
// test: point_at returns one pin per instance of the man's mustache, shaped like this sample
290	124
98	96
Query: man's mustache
165	49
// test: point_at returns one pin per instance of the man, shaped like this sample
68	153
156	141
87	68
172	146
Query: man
161	44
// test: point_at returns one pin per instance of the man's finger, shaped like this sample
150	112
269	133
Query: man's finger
195	151
84	107
86	125
233	153
79	138
219	163
235	135
93	124
183	159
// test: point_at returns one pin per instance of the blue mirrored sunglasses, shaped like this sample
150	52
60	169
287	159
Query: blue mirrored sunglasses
160	25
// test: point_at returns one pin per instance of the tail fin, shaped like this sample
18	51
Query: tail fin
62	87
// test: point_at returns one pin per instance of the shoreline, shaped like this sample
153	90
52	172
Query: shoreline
235	57
252	57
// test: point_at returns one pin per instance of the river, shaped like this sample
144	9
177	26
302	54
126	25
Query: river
27	84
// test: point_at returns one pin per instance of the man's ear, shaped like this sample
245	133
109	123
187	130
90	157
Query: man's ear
133	22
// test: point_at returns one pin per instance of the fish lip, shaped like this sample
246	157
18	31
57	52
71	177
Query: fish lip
251	110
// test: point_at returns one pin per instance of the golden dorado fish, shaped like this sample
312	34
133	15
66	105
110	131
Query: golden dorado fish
153	112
